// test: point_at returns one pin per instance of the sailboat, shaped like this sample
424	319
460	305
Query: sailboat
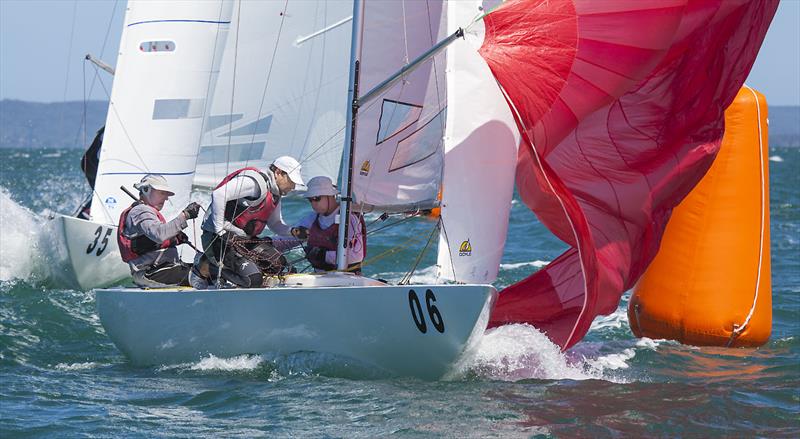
168	60
394	160
608	145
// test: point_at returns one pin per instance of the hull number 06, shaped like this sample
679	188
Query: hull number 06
433	312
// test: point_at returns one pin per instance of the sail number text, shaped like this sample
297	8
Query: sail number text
433	312
102	243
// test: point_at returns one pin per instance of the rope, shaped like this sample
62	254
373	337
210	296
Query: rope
738	329
407	278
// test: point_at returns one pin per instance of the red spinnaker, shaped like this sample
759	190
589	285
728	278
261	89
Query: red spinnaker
620	104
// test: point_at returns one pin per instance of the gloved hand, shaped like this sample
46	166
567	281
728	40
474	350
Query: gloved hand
181	238
315	254
191	211
300	233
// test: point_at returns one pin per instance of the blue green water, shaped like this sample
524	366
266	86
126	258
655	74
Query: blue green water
61	376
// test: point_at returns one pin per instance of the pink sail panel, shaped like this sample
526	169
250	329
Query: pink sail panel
611	144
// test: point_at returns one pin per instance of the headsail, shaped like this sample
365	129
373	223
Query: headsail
169	54
620	105
480	147
281	89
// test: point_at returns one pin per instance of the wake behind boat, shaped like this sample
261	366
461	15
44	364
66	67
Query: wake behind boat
408	330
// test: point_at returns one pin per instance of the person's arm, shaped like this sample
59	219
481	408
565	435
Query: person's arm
237	187
145	220
276	224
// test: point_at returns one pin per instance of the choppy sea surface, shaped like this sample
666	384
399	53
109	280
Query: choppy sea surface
61	376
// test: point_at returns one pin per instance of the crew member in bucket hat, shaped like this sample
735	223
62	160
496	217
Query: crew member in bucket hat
147	242
323	228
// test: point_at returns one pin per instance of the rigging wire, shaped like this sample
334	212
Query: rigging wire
407	278
69	56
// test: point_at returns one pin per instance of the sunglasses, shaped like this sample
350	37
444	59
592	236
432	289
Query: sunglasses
313	199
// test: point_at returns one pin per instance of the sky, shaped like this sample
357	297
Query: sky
41	52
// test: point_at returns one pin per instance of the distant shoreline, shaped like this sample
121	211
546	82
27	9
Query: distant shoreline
59	125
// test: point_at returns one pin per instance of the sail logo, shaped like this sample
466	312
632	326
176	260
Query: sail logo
111	202
465	249
365	168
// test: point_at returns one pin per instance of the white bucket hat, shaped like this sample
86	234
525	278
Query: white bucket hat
319	186
154	181
292	167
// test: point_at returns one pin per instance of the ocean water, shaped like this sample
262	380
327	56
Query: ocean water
61	376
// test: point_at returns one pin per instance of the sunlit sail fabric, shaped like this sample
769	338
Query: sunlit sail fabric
169	54
620	104
480	152
398	157
282	89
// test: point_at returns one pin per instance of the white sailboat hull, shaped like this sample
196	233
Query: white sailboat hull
371	323
93	254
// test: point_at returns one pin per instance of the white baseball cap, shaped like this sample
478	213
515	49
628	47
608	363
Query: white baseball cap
320	185
154	181
292	167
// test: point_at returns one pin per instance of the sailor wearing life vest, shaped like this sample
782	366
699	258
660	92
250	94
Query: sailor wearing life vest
243	204
323	228
147	241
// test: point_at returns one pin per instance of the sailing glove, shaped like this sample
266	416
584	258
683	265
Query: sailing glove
181	238
300	233
191	211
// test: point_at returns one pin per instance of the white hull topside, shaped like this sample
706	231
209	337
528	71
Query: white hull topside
93	254
413	330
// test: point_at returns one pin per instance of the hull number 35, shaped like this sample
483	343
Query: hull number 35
433	312
97	240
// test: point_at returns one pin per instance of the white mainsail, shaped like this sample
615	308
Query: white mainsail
167	64
480	150
281	89
398	156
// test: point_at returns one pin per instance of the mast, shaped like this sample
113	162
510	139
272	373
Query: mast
346	195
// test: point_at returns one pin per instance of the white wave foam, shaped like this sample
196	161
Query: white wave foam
516	352
18	239
537	264
776	158
612	361
615	320
76	366
238	363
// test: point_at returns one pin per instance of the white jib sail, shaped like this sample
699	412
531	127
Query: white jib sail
281	89
397	162
169	55
481	141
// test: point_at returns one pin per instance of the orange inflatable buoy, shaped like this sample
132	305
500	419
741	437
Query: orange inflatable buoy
710	283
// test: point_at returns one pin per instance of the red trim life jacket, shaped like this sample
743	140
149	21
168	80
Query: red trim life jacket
328	239
251	219
132	248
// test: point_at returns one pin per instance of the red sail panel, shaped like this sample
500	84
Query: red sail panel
620	104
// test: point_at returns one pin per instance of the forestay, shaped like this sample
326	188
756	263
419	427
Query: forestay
166	66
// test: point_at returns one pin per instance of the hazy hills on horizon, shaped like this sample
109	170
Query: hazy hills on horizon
61	125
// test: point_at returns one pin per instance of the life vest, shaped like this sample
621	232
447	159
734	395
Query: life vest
252	218
328	239
132	248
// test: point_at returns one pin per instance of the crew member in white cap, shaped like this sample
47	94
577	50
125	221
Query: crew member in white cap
243	204
323	228
147	241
